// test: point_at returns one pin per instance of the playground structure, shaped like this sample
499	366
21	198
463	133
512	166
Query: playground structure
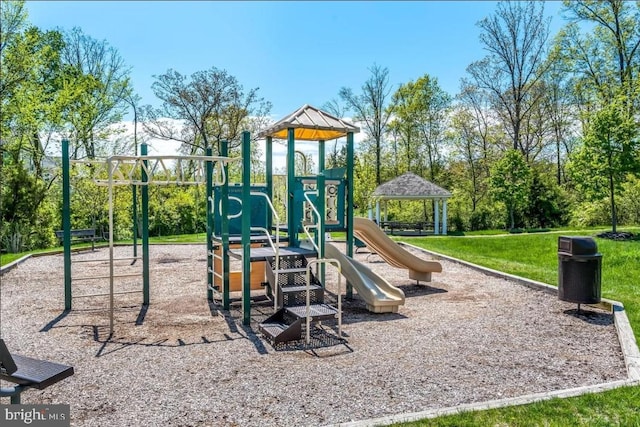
288	259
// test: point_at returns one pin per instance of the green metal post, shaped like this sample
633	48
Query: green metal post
246	228
349	220
269	175
145	228
291	180
321	155
66	222
209	210
224	214
321	206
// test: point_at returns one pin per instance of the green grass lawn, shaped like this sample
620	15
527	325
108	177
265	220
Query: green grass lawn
535	256
9	258
617	407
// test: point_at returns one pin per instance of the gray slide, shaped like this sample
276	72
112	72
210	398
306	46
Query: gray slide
379	295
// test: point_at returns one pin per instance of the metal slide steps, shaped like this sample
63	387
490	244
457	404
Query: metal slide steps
286	324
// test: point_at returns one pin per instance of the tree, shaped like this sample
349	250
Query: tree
558	110
13	19
515	38
467	146
606	61
483	119
510	182
420	114
30	97
338	155
211	105
100	82
609	152
370	109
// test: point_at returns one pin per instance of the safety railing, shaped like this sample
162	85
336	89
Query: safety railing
307	227
276	247
336	263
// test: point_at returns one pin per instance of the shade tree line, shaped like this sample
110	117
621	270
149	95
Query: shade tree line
568	104
543	131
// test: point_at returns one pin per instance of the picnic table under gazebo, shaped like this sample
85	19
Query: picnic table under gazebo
410	186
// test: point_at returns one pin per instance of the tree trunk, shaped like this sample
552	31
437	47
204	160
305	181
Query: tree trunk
513	222
559	170
378	162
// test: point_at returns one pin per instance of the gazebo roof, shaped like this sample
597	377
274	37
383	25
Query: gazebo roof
310	124
409	186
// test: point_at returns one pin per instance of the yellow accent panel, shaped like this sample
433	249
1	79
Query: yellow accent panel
306	134
235	277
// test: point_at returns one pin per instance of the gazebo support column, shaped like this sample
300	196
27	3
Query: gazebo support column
444	217
436	216
378	212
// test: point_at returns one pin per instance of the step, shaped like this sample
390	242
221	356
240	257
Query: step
302	288
288	262
290	270
273	329
297	295
281	327
261	254
316	311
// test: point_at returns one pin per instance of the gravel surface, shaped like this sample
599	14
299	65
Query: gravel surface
466	337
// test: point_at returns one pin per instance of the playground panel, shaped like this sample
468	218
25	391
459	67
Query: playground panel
335	202
259	211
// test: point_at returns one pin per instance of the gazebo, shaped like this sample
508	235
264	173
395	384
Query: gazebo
410	186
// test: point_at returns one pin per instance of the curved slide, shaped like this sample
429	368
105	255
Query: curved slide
392	253
378	294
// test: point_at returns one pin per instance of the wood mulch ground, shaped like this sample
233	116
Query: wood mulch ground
465	337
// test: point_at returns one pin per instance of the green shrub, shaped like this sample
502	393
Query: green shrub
481	219
537	230
548	204
589	214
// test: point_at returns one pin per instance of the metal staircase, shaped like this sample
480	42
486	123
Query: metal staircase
300	297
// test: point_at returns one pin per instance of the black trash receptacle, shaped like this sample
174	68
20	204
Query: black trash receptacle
579	270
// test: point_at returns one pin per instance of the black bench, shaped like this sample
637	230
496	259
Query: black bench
79	235
28	373
417	227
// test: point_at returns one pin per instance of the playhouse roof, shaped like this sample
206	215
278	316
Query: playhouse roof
310	124
409	186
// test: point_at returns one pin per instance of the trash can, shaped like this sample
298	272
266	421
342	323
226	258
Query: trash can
579	270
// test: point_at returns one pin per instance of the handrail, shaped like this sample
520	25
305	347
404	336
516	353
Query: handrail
317	213
276	249
336	264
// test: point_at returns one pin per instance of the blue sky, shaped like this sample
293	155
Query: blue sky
295	52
